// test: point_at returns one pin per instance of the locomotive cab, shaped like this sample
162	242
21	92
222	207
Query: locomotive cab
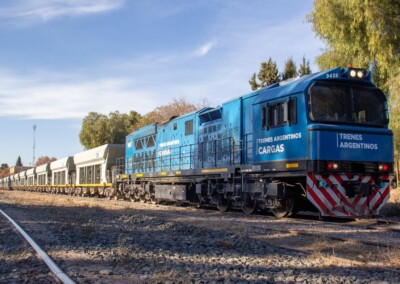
328	130
350	145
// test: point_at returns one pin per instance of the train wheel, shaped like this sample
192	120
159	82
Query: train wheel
284	209
153	199
142	198
135	196
249	205
223	204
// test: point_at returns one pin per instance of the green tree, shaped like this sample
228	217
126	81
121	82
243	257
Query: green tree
290	70
267	75
18	163
119	125
394	112
99	129
364	33
133	119
4	166
253	82
94	130
304	68
359	32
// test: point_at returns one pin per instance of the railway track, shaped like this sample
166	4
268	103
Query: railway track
8	225
372	232
305	224
122	241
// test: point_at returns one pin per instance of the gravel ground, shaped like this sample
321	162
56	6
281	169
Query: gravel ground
93	244
18	261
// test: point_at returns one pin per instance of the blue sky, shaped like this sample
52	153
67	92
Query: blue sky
61	59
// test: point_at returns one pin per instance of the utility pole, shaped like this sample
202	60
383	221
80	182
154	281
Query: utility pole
34	145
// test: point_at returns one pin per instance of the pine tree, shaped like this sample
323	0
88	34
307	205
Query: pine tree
19	162
253	82
268	73
304	68
290	70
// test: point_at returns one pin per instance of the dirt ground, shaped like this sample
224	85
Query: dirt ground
102	241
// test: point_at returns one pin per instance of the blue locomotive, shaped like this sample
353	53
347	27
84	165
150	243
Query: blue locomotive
320	141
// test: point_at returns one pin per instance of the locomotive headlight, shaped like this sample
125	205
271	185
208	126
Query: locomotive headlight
357	73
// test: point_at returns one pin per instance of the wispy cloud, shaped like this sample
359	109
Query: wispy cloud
142	82
204	49
127	85
31	11
40	97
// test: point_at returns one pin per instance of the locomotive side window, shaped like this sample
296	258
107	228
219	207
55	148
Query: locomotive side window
149	141
279	114
292	111
189	127
343	103
138	145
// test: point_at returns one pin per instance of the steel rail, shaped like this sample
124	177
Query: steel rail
64	278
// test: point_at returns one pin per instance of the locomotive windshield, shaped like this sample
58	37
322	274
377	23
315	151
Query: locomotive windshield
343	103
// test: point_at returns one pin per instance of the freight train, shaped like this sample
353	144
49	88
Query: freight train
319	142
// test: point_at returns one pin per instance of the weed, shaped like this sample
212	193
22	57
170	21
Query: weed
321	244
124	252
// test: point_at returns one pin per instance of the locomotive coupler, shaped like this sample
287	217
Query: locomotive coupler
354	188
